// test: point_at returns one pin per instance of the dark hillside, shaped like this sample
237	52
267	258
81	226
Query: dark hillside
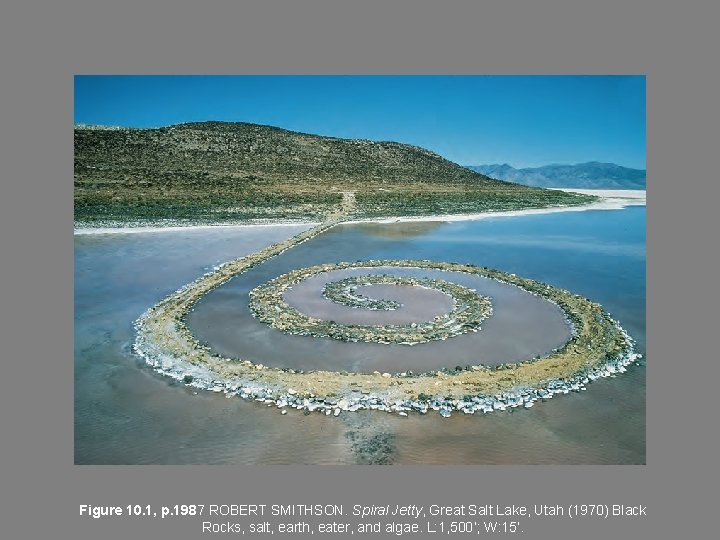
221	172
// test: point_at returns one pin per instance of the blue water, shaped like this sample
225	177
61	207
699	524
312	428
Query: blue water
125	413
599	254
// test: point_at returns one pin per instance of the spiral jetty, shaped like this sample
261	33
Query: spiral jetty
598	346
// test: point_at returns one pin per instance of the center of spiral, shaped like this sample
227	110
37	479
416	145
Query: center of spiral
345	292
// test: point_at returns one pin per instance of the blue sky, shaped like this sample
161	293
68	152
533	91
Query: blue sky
525	121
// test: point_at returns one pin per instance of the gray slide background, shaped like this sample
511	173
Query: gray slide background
43	44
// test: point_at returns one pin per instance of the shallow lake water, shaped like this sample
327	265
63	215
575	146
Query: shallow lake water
126	413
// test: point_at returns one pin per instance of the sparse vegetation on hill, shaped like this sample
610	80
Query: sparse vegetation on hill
213	172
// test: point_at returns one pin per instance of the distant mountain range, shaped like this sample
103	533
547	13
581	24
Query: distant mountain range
590	175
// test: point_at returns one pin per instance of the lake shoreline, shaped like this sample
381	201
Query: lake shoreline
610	200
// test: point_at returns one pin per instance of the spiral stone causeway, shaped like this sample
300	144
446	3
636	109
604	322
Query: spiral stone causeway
598	346
267	303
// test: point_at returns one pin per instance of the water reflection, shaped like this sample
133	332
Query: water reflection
399	230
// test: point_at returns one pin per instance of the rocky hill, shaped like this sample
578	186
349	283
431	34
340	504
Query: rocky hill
221	171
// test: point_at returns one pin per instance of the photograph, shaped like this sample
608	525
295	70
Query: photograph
359	269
